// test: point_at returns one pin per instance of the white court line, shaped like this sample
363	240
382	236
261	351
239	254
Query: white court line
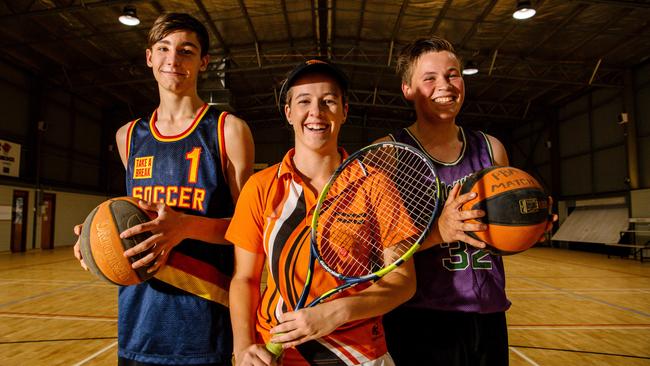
58	317
89	358
578	327
520	354
47	282
586	297
580	290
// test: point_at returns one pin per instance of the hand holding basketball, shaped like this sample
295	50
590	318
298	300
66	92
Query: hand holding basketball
453	223
100	247
167	230
77	249
516	208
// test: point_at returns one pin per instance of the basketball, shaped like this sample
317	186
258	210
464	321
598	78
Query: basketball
102	248
516	208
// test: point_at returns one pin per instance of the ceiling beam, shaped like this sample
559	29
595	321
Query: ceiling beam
287	24
440	17
476	23
210	23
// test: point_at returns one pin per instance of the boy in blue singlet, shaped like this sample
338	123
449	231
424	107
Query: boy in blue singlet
197	160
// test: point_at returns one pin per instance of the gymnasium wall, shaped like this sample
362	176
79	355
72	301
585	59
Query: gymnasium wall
642	118
585	140
66	140
70	209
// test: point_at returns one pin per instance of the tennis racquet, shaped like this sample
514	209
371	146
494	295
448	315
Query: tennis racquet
370	217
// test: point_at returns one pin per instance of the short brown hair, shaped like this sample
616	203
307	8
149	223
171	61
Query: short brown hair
409	55
174	22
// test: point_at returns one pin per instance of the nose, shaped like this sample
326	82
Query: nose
315	109
173	57
443	84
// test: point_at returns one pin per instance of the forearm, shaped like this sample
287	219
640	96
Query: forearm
382	296
433	238
245	294
210	230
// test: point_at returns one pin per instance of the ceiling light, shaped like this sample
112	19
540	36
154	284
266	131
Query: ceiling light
524	10
129	16
470	68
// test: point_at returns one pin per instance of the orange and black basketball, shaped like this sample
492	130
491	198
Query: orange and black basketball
516	208
102	248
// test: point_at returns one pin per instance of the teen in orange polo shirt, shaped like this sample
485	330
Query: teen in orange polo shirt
271	227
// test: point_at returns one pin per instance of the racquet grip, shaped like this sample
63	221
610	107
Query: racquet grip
275	349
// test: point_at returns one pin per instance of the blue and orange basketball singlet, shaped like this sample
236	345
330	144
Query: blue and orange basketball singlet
181	315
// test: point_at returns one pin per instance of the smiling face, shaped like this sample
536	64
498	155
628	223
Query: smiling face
436	88
316	111
176	61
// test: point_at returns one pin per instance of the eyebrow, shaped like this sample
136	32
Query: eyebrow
451	68
334	94
186	43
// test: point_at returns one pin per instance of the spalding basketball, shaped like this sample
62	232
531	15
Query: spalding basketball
516	208
102	249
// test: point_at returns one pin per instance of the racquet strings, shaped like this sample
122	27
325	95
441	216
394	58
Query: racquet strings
383	199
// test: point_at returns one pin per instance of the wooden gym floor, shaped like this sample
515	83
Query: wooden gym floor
569	308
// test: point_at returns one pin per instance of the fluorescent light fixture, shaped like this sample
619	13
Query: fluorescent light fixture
129	16
470	68
524	10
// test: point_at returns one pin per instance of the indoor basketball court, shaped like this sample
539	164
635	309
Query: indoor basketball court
563	85
569	308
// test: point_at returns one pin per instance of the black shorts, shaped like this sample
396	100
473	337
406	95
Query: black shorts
426	337
126	362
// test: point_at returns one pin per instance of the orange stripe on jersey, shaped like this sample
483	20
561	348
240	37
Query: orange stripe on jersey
196	277
222	142
160	137
129	131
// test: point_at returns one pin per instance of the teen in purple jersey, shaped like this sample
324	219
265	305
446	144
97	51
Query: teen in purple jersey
202	160
457	316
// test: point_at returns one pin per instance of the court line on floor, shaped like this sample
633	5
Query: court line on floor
58	340
42	294
91	357
4	314
577	326
546	261
7	269
582	351
86	282
569	292
522	355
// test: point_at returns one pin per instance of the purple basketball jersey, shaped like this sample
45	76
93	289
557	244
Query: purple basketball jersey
457	276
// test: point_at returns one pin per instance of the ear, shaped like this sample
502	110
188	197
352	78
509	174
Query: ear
346	107
407	91
205	60
148	57
287	113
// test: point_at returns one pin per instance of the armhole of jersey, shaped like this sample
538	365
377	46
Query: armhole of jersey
489	146
129	132
222	143
391	137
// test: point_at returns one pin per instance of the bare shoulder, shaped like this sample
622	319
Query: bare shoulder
235	125
120	135
383	139
498	150
120	140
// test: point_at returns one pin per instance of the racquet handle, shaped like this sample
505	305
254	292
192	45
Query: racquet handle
275	349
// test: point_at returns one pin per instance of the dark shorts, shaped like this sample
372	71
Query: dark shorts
425	337
126	362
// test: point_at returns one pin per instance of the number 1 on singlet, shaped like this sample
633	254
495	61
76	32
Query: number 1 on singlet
194	158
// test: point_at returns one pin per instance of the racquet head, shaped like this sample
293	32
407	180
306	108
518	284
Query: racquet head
374	211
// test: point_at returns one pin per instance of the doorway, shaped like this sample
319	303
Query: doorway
19	221
47	220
